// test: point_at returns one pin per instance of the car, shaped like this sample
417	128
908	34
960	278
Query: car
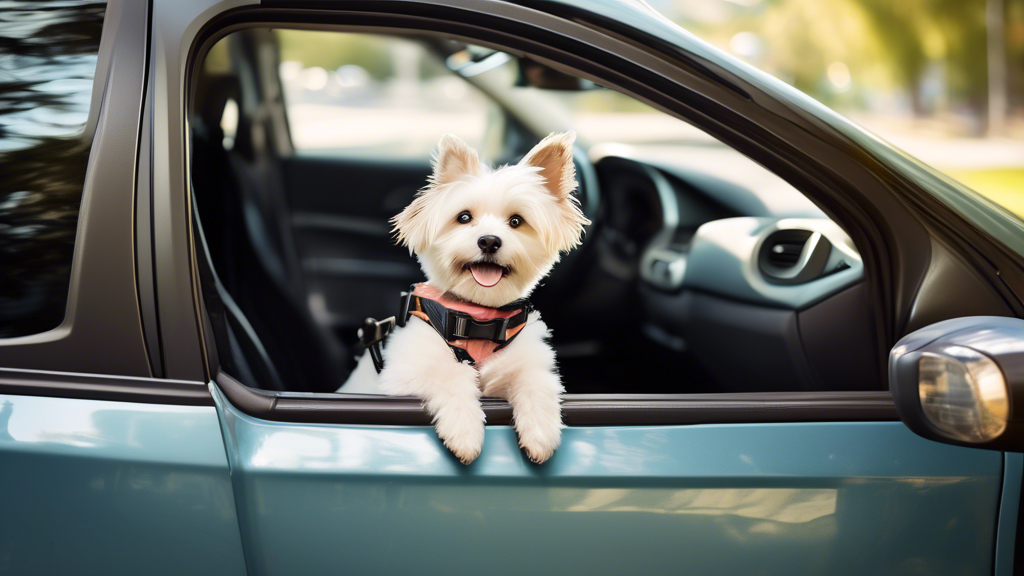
787	346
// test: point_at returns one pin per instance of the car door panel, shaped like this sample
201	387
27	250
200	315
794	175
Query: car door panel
104	487
326	183
788	498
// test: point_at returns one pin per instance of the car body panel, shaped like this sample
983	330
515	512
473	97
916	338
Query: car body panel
1009	511
839	498
100	487
175	25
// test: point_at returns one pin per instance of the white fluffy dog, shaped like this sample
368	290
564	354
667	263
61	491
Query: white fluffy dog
484	239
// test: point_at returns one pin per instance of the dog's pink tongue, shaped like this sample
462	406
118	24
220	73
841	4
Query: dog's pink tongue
486	275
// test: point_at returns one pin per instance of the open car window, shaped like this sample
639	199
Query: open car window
702	272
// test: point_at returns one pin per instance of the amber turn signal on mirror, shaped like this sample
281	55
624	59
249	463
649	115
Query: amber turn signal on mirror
963	394
955	381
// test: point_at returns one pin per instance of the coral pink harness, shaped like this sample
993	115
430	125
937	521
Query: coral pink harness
472	331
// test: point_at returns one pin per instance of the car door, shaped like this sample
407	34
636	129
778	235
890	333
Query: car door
712	490
106	470
759	482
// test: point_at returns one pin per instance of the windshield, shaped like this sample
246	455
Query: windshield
920	89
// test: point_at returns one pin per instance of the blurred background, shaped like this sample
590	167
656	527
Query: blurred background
941	79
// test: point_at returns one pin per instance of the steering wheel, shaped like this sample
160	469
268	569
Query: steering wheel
588	192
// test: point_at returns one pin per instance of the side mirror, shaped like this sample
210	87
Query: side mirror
962	382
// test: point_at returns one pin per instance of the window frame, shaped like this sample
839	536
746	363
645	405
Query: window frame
479	26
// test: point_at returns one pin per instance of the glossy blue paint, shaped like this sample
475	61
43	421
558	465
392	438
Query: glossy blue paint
1006	533
836	498
95	487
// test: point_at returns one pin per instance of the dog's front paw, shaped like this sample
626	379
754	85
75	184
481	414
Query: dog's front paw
461	428
539	437
464	448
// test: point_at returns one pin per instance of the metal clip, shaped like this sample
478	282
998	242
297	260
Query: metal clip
372	334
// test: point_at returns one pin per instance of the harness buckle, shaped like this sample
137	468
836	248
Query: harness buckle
403	308
456	325
502	333
462	326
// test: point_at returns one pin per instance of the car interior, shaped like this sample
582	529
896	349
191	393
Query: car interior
701	272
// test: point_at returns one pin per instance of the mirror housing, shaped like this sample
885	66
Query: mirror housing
536	75
961	382
472	61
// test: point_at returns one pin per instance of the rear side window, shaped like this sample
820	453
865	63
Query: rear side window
48	52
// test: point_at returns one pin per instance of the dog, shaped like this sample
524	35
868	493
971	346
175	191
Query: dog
484	239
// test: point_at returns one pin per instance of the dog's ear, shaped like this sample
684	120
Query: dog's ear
454	159
553	155
554	158
411	225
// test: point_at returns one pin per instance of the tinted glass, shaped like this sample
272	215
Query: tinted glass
48	55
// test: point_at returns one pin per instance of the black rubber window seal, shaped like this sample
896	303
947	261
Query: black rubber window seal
577	409
18	382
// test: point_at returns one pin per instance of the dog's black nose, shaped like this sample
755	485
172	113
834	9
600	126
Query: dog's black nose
488	244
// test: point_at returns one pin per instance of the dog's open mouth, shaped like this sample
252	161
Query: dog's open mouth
487	274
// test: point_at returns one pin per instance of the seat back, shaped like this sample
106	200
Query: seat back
266	326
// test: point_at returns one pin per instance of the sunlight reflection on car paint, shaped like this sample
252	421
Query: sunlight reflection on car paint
108	428
322	449
788	505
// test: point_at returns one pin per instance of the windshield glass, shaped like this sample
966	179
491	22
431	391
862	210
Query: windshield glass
975	168
942	80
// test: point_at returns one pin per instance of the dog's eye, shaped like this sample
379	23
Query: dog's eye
464	218
515	221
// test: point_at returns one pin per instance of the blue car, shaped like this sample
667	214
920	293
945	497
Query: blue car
787	347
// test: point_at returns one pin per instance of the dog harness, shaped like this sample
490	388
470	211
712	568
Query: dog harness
473	332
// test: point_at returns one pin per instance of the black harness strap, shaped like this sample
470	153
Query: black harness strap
450	324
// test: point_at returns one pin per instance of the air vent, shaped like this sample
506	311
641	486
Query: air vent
793	256
783	249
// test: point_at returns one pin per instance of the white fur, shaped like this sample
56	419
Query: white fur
525	373
417	362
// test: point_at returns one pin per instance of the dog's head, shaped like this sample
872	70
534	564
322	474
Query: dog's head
488	236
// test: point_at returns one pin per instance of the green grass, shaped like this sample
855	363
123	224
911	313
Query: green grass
1003	186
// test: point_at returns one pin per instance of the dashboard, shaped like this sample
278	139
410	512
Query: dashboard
723	270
